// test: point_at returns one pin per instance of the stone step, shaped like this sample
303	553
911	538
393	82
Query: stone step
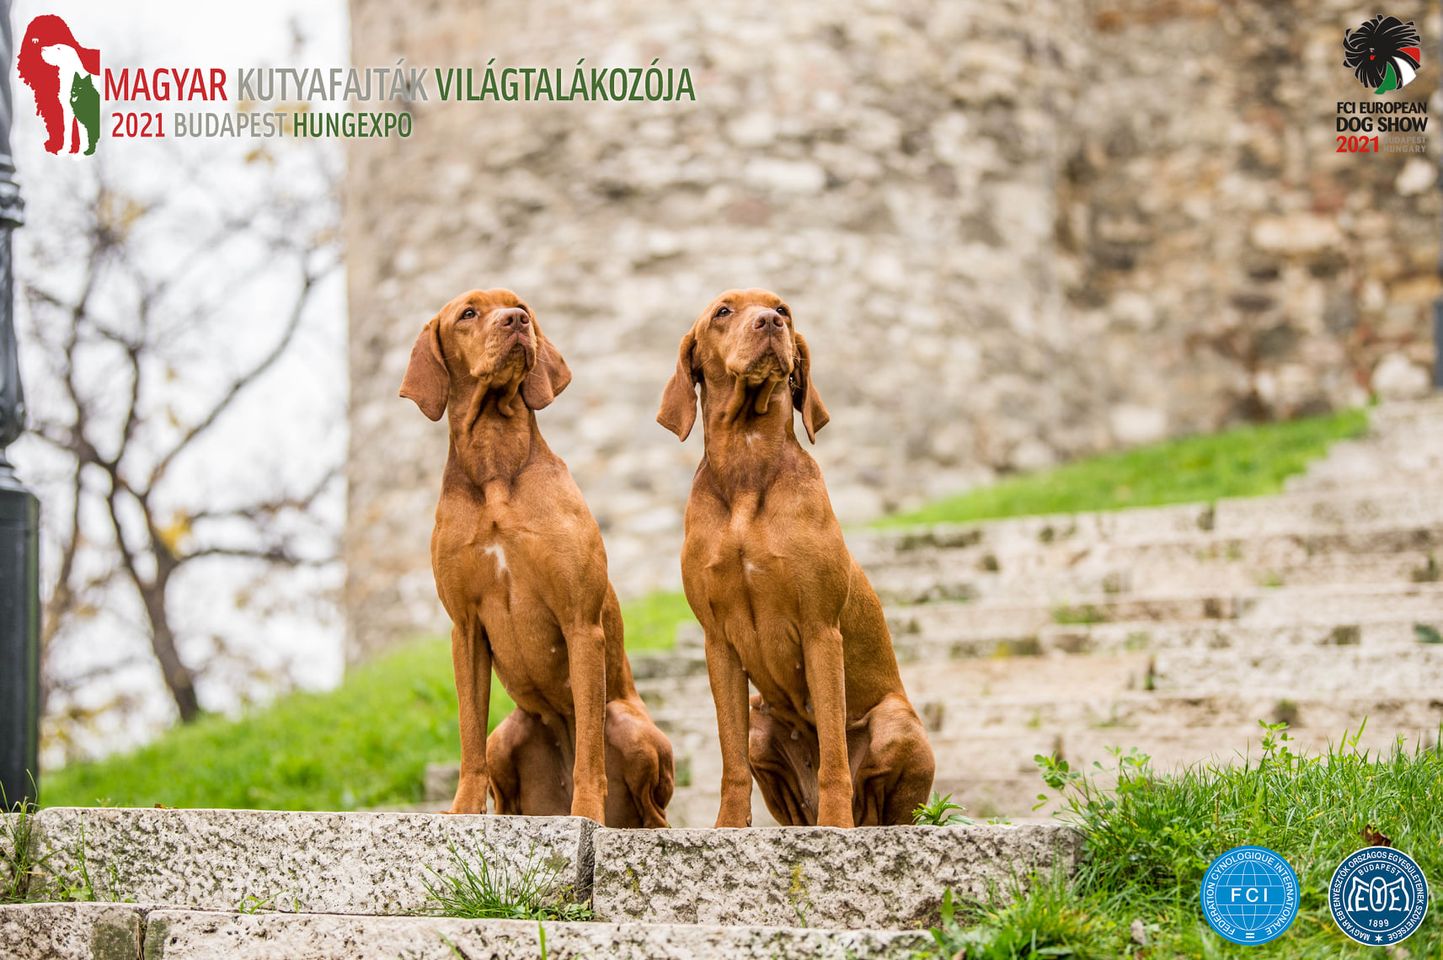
683	674
1404	440
878	877
1404	666
1388	556
1129	712
1300	515
89	931
1390	462
991	736
1278	639
352	863
1419	602
994	773
1411	669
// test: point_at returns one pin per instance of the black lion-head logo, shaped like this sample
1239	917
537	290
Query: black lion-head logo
1384	53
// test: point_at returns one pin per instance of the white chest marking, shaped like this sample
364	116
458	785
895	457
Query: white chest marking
498	554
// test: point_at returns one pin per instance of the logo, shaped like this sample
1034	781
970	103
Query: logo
63	76
1250	895
1378	896
1384	53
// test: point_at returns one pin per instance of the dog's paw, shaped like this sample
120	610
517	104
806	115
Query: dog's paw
470	798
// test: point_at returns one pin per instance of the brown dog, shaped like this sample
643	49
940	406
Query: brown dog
833	738
521	570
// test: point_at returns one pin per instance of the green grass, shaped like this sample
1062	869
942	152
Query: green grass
1149	841
652	620
482	886
364	744
1246	462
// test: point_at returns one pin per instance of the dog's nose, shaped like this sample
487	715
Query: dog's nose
769	320
513	317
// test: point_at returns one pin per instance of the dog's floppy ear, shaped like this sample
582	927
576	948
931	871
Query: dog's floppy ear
678	400
549	374
804	392
427	381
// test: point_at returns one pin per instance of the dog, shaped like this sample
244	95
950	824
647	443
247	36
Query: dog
831	737
521	570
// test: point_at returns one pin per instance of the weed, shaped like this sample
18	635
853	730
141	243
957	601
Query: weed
29	876
17	850
1426	633
1285	712
937	812
252	904
1085	615
475	890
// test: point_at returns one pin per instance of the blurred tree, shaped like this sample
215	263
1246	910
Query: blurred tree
143	319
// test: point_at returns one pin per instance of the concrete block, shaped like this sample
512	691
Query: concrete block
70	931
202	936
883	877
370	863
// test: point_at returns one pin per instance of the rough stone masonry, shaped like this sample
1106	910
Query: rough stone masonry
1013	233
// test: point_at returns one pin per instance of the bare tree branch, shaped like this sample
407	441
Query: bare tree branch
228	397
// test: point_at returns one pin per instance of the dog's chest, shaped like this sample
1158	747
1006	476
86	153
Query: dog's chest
476	561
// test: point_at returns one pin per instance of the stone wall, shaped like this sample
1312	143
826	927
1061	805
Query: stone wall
1013	233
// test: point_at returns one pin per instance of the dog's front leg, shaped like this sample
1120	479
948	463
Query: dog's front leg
827	686
586	662
729	693
471	658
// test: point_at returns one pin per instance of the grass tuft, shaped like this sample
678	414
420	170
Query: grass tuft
475	890
1149	840
27	876
1245	462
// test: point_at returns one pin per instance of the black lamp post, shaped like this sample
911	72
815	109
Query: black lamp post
19	510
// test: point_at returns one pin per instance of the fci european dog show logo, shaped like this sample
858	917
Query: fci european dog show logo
1385	54
63	75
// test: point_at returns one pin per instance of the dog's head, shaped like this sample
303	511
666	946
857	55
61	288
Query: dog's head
744	339
484	341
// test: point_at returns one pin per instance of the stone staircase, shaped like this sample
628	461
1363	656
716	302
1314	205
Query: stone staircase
1173	630
200	884
1170	629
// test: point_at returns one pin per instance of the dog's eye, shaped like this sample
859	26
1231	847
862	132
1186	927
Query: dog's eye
468	314
723	312
782	309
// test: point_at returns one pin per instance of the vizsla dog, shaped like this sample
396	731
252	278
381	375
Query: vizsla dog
521	570
833	739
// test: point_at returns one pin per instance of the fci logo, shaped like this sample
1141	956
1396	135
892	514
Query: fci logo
63	76
1250	895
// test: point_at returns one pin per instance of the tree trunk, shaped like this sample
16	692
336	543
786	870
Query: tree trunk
179	678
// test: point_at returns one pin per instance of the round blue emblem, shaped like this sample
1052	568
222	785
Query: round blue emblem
1378	896
1250	895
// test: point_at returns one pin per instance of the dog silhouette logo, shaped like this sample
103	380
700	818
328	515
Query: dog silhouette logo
1384	53
64	77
